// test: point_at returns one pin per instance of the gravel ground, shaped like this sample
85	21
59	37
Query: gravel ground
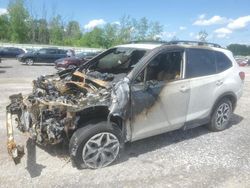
192	158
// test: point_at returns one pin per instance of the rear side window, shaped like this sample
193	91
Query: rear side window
62	51
223	62
52	51
200	62
42	51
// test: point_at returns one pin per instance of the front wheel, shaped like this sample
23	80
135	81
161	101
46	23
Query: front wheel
29	61
95	145
221	115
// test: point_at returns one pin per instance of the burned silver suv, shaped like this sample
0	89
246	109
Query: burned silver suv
127	93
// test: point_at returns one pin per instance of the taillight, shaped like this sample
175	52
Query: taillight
242	76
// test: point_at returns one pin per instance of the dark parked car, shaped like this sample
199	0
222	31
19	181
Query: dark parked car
10	52
75	61
44	55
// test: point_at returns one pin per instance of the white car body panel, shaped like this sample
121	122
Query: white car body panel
168	113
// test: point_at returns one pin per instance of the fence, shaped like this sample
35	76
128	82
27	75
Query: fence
39	46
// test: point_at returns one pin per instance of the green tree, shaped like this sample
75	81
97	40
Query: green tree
43	32
239	49
125	30
141	28
93	38
155	31
73	30
18	17
72	33
4	28
110	35
33	30
56	31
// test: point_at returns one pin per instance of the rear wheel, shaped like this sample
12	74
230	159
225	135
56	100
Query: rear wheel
71	66
95	145
29	61
221	115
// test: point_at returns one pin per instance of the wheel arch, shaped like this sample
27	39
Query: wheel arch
229	95
96	114
29	58
71	64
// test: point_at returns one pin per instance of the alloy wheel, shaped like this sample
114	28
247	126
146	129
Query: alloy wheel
29	62
100	150
223	115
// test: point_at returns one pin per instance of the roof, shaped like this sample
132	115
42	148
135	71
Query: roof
140	46
186	44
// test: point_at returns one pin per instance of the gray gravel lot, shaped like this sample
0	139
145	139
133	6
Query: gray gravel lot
192	158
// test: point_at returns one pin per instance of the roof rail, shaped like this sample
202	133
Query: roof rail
147	42
199	43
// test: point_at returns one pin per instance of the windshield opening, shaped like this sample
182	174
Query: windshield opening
117	60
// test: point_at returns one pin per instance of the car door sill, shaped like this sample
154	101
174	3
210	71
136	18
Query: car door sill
195	123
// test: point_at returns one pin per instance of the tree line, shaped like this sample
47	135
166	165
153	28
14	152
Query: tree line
239	49
20	27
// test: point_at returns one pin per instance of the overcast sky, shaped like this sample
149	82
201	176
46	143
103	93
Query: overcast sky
226	21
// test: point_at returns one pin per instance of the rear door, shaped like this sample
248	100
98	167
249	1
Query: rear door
60	54
201	71
52	55
161	104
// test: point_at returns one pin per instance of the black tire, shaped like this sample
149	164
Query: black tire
81	137
71	67
29	61
217	123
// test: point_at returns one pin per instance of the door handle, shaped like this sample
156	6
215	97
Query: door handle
184	89
219	82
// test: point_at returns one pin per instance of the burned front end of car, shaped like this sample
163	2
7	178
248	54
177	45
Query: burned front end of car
51	112
61	104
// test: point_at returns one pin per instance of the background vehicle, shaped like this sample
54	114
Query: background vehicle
44	55
75	61
242	61
128	93
10	52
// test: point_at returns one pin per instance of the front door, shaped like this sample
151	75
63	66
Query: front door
41	55
159	96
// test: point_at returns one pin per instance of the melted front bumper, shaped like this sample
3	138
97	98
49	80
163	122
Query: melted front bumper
15	151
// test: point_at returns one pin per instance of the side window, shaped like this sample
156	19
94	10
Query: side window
42	51
200	62
223	62
12	50
6	49
164	67
52	51
61	52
